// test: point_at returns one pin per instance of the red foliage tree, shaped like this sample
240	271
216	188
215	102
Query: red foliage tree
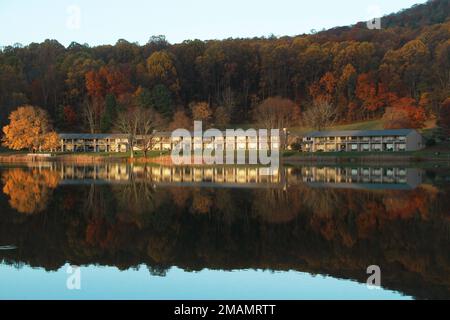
374	96
404	113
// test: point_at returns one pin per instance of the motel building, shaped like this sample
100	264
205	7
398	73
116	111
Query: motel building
162	141
397	140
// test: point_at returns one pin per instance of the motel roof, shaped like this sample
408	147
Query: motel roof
104	135
360	133
85	136
92	136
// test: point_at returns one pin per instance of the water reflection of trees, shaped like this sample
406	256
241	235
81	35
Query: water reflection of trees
329	231
29	190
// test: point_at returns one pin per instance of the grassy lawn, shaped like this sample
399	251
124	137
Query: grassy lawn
8	152
363	125
378	124
150	154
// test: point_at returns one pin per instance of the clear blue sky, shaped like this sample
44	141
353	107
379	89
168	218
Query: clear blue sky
106	21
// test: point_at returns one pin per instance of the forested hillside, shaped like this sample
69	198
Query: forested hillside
401	71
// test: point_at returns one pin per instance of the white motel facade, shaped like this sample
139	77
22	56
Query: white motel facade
319	141
397	140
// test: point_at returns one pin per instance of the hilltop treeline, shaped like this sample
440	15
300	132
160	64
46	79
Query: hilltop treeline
360	72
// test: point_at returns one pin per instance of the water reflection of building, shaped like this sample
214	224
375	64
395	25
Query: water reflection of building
240	176
220	176
360	177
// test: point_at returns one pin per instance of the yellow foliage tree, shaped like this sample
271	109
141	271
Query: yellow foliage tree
51	141
161	70
201	111
29	190
29	128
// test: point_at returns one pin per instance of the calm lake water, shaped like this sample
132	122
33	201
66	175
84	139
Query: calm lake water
154	232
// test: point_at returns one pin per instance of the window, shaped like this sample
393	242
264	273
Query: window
376	147
377	172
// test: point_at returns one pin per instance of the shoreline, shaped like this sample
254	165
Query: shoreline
81	159
288	159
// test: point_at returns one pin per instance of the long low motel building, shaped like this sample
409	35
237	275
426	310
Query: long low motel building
81	142
363	140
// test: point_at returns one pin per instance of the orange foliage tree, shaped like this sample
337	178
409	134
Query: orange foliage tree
404	113
324	89
29	128
373	96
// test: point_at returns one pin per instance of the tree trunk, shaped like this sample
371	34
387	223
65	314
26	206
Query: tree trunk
131	150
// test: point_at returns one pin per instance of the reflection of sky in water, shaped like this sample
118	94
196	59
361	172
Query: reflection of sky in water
110	283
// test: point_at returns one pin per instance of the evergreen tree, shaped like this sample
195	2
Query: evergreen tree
161	100
110	114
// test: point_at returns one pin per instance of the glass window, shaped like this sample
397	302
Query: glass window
376	147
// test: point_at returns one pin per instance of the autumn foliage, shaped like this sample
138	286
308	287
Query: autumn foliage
29	191
30	128
360	72
404	113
